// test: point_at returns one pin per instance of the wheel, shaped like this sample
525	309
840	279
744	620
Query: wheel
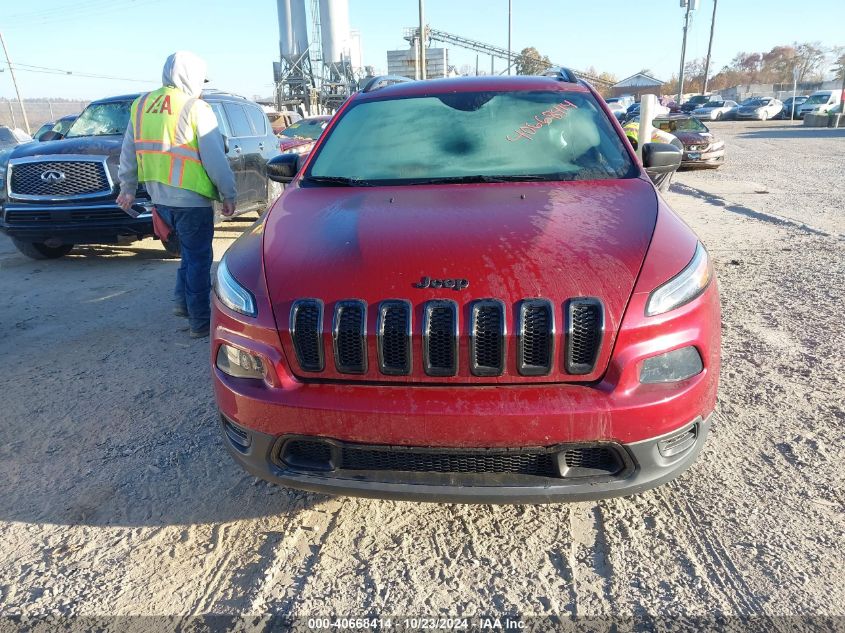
39	250
764	116
718	116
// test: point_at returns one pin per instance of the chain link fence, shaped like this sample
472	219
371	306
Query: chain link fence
37	111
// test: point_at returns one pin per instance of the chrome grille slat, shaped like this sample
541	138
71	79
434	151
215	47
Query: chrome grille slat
306	330
584	331
440	338
535	337
82	179
349	335
487	337
394	334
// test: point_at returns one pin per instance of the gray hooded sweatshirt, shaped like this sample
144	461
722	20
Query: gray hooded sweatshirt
185	71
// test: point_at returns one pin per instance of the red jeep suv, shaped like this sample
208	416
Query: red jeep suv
470	292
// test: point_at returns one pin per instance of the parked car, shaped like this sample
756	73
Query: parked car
634	111
625	101
697	101
701	147
56	129
821	101
300	137
759	108
716	110
788	112
62	192
448	304
617	109
281	120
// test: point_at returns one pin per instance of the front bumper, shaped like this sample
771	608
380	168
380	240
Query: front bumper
646	464
703	159
91	223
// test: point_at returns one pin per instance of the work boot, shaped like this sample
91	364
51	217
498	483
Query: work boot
200	333
180	311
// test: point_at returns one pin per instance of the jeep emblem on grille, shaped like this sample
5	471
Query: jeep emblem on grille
52	176
454	284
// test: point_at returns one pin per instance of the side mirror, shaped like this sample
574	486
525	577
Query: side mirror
661	158
51	136
225	143
283	168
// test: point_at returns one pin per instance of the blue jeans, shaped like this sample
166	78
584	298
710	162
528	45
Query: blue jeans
195	228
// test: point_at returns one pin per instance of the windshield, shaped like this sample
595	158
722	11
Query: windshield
714	104
63	125
305	129
473	137
823	98
680	125
102	119
700	99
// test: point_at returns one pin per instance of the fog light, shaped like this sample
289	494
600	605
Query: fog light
239	364
671	366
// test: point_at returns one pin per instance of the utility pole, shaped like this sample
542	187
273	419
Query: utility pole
510	30
709	48
422	40
14	81
688	5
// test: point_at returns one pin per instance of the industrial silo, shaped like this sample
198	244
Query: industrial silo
334	26
293	29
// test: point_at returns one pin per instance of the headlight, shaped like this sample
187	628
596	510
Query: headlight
232	294
683	287
237	363
678	364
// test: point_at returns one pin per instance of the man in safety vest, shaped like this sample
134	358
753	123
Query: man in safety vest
173	146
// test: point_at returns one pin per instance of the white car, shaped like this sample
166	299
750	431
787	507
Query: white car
759	108
715	110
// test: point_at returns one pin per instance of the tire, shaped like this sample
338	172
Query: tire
39	250
718	116
764	116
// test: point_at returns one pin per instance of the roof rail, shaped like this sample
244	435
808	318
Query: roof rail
382	81
561	74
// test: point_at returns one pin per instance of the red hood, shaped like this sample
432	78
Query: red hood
287	142
511	241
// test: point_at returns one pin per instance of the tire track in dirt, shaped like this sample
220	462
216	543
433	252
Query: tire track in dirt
589	561
293	560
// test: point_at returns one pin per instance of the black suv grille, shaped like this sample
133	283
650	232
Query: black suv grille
487	338
535	348
440	338
585	325
564	461
350	337
394	334
307	332
76	178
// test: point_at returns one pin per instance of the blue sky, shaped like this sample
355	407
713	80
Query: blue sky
131	38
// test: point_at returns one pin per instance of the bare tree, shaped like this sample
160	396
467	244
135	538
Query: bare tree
530	62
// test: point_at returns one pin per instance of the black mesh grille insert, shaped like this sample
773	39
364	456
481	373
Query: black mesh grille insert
63	179
591	460
308	454
394	331
350	343
306	330
440	351
538	463
536	337
487	342
584	331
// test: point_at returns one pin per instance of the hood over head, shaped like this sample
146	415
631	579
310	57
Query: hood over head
186	71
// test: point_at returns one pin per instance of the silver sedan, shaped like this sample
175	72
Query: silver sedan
715	110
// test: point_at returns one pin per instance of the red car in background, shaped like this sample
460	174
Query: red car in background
469	292
299	137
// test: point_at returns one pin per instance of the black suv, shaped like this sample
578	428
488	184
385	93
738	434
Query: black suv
62	192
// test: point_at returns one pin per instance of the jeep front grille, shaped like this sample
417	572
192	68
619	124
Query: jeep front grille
584	329
478	331
349	334
536	337
440	338
487	338
306	319
58	179
394	337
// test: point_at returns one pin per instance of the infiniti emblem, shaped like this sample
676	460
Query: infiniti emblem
52	176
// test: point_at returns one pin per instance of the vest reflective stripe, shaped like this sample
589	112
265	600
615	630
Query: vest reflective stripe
166	141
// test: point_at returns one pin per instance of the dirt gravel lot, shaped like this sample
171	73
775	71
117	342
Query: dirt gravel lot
119	498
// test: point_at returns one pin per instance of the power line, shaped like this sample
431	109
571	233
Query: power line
28	21
73	73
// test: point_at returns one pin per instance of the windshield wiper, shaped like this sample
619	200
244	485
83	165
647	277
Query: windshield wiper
338	181
480	178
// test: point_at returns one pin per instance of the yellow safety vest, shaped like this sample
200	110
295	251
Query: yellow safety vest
166	141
